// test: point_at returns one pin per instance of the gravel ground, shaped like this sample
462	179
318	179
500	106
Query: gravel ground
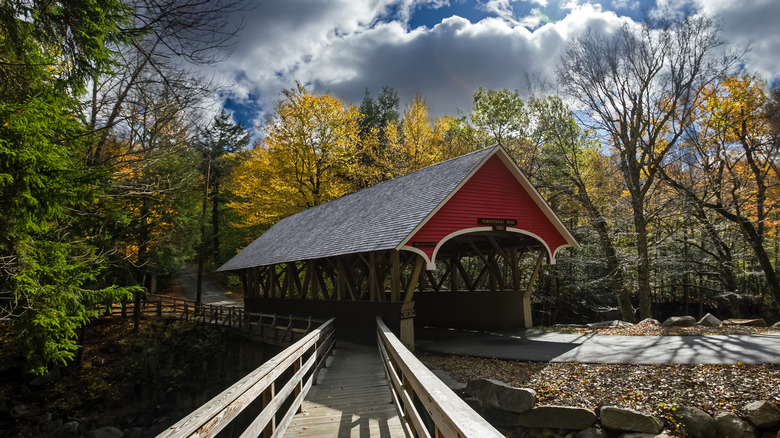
655	389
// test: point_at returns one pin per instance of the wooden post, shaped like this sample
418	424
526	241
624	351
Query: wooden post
407	308
372	280
395	276
341	280
272	281
268	395
453	275
290	276
313	277
514	262
298	386
527	295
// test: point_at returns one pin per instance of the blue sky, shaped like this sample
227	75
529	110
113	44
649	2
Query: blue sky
444	49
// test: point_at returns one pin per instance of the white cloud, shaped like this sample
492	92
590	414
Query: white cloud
625	4
751	22
349	45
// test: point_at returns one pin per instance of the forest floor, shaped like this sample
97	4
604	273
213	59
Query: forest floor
653	389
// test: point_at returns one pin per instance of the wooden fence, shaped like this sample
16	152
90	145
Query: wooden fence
266	325
269	382
414	386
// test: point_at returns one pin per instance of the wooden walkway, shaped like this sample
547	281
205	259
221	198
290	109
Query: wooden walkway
351	399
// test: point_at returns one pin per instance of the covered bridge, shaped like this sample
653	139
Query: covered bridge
456	244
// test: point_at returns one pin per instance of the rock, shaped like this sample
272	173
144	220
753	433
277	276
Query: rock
496	417
763	414
608	324
709	320
67	430
502	396
620	419
51	426
591	432
649	321
449	381
730	425
697	423
776	325
105	432
20	410
679	321
557	416
745	322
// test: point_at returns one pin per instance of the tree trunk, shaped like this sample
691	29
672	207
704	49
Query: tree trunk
616	278
202	246
143	242
757	245
215	222
642	265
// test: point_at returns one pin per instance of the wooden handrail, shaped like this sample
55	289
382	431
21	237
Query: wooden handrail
305	358
410	380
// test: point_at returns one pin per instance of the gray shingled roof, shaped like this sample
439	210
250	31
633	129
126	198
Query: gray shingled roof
373	219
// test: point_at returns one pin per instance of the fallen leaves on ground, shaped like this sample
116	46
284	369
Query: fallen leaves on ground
648	329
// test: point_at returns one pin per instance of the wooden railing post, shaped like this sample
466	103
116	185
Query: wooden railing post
298	386
268	395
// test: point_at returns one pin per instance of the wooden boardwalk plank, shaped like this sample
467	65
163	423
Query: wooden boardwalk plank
351	399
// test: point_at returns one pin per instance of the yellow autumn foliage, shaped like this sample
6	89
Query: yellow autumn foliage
304	159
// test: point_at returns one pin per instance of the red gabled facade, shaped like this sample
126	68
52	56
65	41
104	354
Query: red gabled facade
496	191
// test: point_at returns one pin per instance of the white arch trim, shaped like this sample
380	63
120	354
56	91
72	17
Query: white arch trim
431	263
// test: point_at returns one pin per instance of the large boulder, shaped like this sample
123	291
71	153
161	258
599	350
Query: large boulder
696	422
502	396
729	424
709	320
763	414
745	322
679	321
557	417
615	418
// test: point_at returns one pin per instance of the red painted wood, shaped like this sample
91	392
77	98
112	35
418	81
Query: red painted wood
492	192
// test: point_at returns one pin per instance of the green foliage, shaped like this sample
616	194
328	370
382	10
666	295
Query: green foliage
49	270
